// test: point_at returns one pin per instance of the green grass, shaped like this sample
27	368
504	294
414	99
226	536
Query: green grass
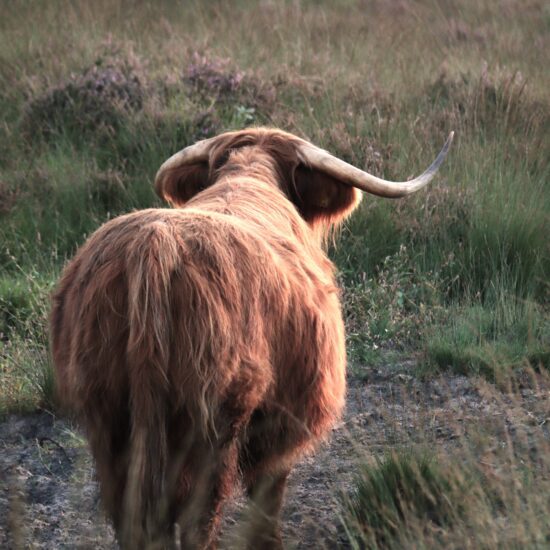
395	489
493	342
414	499
26	372
379	85
456	275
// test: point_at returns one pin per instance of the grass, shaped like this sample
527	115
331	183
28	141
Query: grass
457	276
491	342
410	500
25	369
85	129
395	489
485	487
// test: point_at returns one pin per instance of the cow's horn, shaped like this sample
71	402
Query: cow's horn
198	152
325	162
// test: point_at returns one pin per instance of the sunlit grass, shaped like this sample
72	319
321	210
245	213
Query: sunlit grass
380	86
26	374
456	276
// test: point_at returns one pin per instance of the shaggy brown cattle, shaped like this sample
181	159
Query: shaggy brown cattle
204	345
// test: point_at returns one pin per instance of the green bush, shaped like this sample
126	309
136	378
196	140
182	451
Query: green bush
395	490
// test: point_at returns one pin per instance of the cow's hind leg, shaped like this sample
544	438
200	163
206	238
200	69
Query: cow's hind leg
203	474
108	435
264	476
266	495
210	479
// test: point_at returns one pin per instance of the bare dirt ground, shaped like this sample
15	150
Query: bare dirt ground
49	495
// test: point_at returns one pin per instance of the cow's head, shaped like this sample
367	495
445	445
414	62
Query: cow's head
322	187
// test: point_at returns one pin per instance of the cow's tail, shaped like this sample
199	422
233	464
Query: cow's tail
150	264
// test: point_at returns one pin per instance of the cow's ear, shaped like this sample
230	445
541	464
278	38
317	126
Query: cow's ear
179	184
322	199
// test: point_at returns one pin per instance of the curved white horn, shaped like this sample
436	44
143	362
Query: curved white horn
325	162
198	152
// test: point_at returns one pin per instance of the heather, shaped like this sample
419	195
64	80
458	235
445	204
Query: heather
449	284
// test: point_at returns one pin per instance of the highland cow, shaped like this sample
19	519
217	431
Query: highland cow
203	346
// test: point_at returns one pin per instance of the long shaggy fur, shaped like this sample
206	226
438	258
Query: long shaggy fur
204	345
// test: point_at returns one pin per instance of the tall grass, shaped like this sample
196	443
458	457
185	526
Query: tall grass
486	487
94	96
93	102
26	374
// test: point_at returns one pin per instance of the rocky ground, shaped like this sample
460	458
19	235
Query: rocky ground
49	495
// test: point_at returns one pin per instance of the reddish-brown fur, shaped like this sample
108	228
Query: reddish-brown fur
204	344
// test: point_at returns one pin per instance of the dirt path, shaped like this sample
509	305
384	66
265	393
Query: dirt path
49	496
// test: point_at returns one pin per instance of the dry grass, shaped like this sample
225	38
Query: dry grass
95	95
455	477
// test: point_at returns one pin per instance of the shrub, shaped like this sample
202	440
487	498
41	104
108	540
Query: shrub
98	97
216	80
395	490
